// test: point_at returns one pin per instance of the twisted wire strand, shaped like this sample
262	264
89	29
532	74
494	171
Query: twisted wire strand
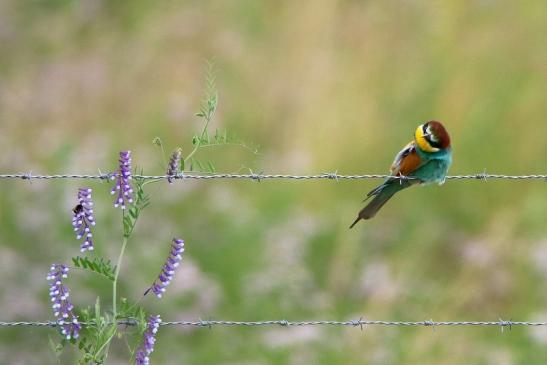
257	177
284	323
260	176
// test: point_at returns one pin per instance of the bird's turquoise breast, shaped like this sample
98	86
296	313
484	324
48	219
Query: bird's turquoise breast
435	167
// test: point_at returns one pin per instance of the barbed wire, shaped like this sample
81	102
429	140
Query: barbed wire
261	176
258	177
361	323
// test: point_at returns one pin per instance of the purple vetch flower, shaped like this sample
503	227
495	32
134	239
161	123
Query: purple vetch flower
123	185
168	270
62	307
174	165
83	218
142	356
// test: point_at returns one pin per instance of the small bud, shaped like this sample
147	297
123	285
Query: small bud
174	165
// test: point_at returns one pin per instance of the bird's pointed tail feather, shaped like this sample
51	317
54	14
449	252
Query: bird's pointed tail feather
381	195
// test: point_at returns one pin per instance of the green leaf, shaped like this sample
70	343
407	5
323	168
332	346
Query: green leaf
92	341
57	348
142	200
96	265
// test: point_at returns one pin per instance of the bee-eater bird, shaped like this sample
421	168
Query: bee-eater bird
425	160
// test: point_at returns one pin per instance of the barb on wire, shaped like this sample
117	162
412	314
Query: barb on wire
284	323
261	176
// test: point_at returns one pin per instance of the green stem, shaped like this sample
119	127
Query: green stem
115	283
115	289
163	155
106	345
198	144
151	181
117	273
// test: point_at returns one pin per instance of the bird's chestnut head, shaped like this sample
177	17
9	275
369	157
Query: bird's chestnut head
432	137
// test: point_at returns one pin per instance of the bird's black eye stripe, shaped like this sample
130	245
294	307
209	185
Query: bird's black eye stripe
431	142
429	137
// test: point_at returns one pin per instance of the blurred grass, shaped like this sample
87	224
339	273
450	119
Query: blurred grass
319	86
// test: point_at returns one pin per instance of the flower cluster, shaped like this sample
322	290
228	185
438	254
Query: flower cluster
168	270
83	218
174	165
123	184
142	356
62	307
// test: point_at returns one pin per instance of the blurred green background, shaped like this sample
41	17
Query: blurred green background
319	86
